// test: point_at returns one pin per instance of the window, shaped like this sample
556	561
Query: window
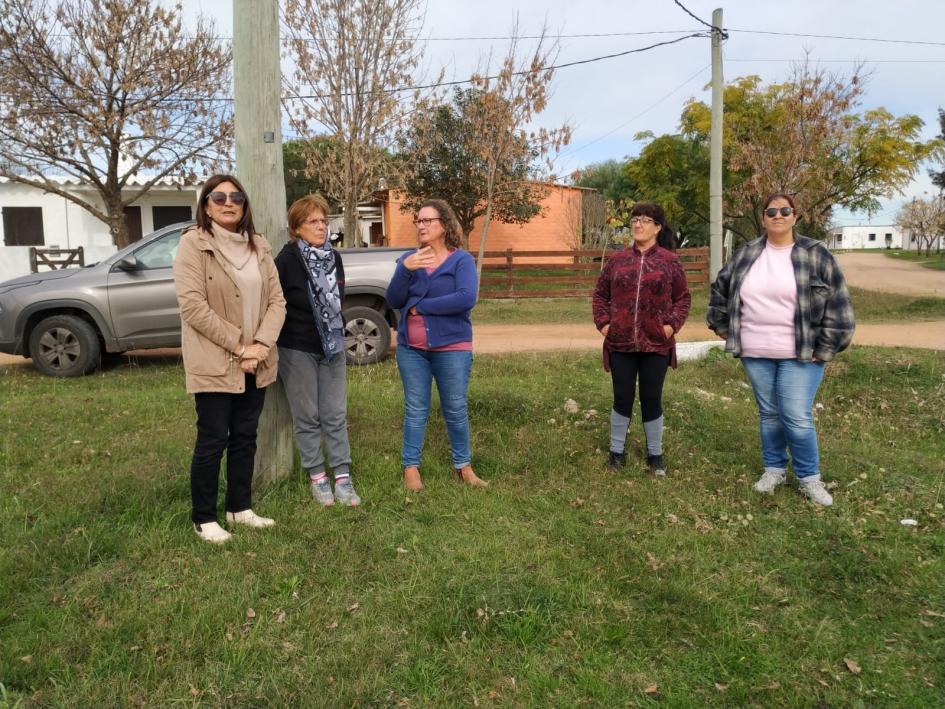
838	237
23	226
160	253
872	237
165	216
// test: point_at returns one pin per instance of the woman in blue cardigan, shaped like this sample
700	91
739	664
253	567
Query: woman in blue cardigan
435	288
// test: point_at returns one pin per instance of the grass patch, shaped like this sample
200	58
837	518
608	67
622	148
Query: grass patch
563	584
869	306
934	260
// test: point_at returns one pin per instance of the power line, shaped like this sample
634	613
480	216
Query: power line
833	36
847	61
700	20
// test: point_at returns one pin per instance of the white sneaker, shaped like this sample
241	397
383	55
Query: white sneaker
250	519
212	532
816	492
770	479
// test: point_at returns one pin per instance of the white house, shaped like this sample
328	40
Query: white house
874	236
32	217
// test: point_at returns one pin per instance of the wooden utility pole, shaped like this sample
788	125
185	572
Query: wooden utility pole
257	89
715	150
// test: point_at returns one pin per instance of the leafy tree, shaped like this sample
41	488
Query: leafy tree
352	58
804	137
112	93
938	178
295	167
608	178
440	157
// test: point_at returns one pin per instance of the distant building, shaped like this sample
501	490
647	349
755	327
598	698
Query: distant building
873	236
33	217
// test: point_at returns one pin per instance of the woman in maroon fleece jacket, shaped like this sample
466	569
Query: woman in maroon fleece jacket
641	301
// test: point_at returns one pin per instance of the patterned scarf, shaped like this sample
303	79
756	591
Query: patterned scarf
324	296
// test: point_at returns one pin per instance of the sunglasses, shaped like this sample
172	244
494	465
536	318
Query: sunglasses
219	198
426	222
641	220
772	212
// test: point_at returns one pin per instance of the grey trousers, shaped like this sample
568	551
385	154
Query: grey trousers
317	393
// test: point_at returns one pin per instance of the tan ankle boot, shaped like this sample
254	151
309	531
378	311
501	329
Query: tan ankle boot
466	475
412	479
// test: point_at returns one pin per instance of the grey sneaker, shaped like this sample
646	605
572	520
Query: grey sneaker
321	492
769	480
656	465
345	494
815	491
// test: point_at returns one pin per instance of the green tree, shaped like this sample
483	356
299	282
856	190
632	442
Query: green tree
295	168
608	178
804	137
440	158
938	177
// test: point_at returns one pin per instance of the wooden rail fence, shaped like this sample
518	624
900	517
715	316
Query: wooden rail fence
55	258
563	274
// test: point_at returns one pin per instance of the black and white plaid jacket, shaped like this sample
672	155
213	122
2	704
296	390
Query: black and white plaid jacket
823	321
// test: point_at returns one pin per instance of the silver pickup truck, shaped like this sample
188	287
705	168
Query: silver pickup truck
64	320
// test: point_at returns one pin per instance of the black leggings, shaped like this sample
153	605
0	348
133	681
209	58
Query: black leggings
651	366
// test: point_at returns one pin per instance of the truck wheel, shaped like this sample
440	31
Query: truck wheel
367	336
65	346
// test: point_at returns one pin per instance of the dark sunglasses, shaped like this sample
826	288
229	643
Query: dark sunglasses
220	197
771	212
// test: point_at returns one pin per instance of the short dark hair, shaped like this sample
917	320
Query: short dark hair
203	221
302	209
780	195
454	232
667	237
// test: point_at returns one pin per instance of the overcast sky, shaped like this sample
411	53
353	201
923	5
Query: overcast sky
607	102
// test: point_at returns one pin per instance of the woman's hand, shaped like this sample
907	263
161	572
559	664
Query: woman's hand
668	331
249	365
421	258
604	330
257	351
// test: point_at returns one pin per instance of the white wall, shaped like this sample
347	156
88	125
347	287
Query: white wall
857	237
68	226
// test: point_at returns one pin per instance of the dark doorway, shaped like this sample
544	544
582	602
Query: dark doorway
164	216
133	223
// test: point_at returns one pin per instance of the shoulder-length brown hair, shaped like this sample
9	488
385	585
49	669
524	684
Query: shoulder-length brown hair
203	221
454	232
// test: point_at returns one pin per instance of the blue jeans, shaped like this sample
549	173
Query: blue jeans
418	369
785	390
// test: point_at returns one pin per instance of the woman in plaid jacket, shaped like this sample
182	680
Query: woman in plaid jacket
781	304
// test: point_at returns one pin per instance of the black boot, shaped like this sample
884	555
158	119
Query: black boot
657	467
617	460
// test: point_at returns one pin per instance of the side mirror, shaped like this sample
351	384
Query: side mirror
128	263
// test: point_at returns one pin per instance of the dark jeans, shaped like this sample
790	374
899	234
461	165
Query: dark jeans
650	367
225	422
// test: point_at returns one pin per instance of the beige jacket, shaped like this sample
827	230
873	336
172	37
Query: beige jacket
211	315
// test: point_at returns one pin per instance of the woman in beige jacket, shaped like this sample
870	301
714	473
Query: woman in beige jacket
231	309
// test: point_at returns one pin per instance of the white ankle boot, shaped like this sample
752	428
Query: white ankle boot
212	532
250	519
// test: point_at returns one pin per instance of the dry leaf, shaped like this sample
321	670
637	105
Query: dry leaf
401	550
280	616
194	692
354	607
934	614
652	689
332	625
672	518
653	562
28	659
721	687
250	613
852	666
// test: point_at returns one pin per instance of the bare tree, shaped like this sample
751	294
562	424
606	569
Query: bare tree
507	103
111	93
925	220
352	59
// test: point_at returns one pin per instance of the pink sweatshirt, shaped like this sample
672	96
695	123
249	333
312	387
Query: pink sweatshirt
768	303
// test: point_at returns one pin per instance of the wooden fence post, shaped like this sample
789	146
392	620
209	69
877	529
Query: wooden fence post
508	265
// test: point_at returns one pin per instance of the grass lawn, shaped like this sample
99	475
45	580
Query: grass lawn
933	260
869	306
563	584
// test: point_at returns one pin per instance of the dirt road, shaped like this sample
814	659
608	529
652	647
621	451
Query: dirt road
884	273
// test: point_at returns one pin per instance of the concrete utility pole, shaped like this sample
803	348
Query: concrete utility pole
257	80
715	150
